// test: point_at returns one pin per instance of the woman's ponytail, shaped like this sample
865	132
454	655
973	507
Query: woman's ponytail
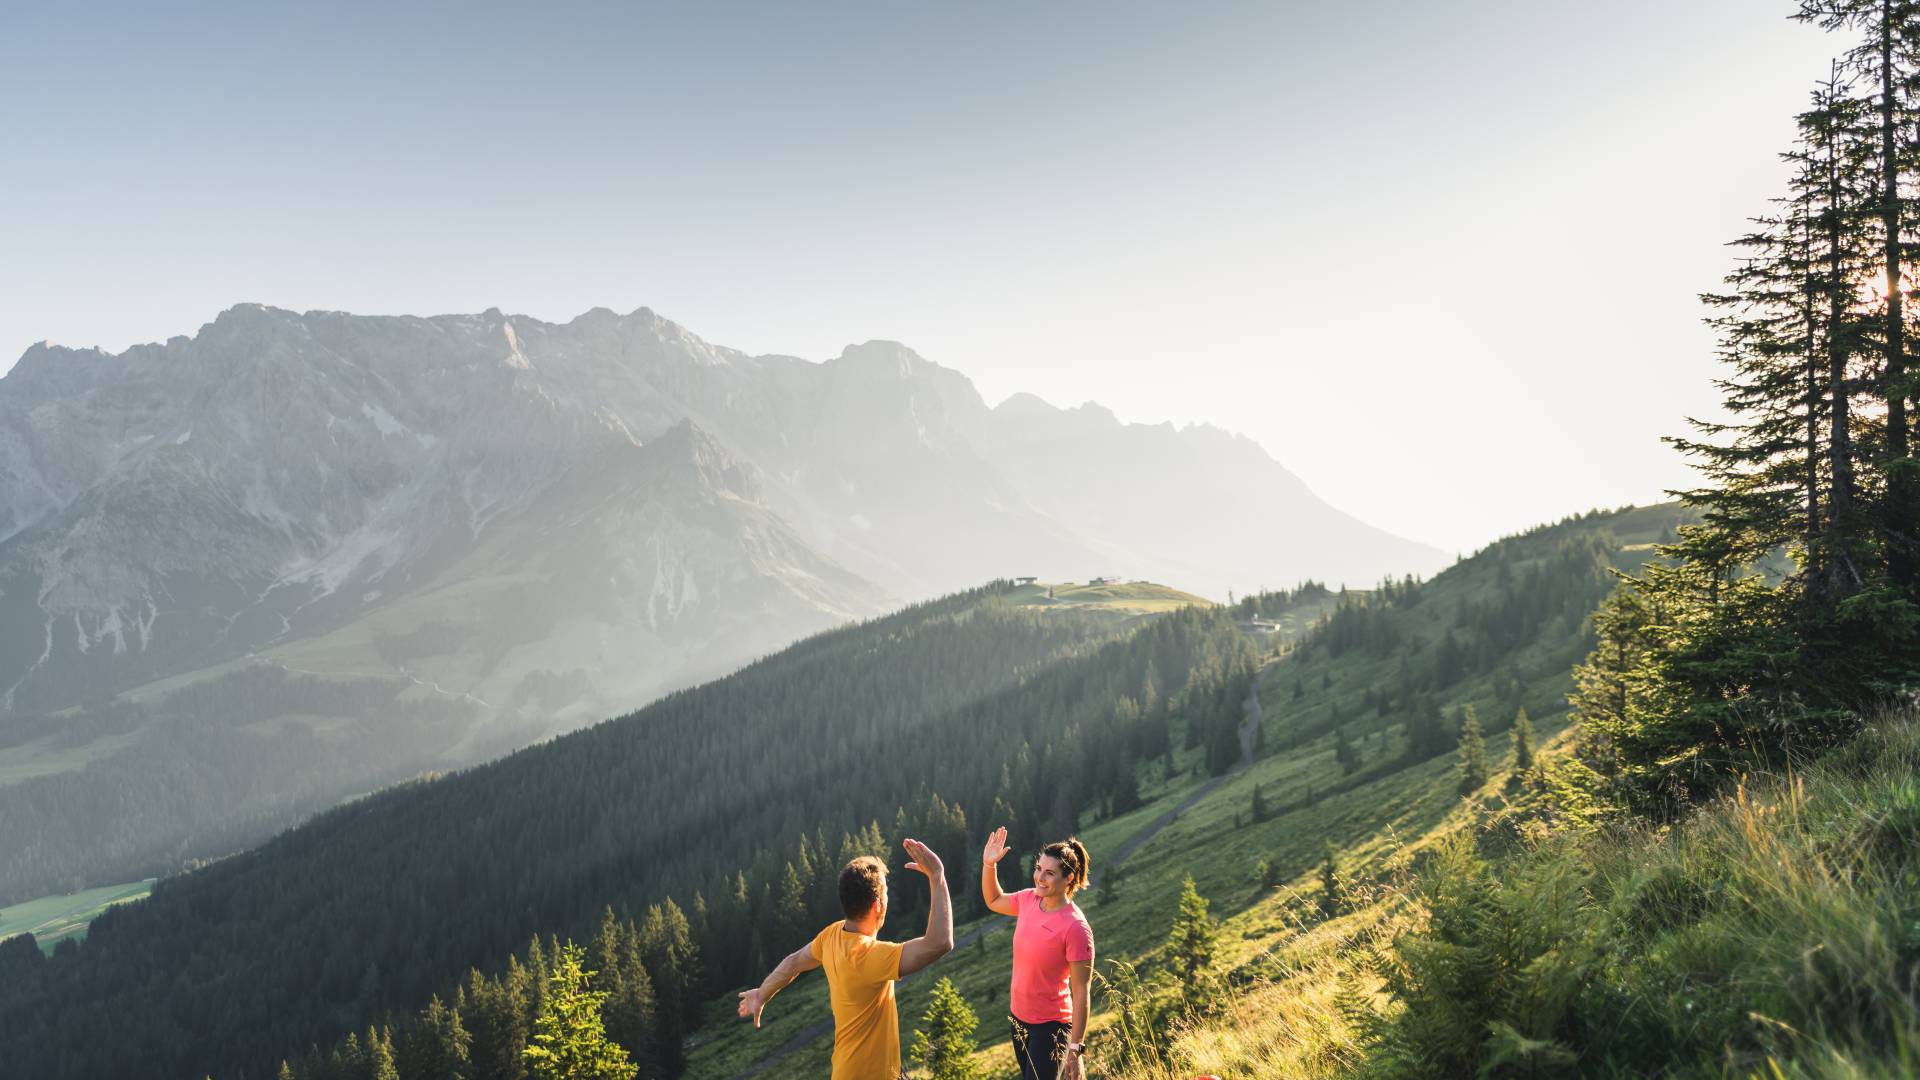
1086	861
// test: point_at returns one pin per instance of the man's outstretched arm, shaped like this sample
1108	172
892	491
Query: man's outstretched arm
938	940
799	961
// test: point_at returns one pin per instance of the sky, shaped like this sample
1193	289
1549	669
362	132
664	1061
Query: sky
1441	260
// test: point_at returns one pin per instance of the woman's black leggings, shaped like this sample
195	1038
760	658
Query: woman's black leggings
1039	1048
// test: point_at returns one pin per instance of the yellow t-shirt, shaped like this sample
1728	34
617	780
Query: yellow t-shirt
866	1024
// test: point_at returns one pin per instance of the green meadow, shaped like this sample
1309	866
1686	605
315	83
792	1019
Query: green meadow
53	919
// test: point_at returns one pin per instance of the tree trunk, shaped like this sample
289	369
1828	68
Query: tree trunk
1840	517
1897	518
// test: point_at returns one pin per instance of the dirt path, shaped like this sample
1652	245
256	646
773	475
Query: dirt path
1247	728
812	1032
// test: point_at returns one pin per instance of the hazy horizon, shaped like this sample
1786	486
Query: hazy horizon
1430	260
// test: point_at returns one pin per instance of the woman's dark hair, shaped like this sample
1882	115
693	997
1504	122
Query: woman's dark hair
1072	856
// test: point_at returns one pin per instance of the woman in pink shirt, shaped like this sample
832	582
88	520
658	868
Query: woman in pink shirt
1052	956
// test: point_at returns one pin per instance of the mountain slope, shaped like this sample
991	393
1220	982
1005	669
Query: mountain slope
559	865
1393	803
1197	505
397	895
488	529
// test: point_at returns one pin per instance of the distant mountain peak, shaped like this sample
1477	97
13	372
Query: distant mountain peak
886	359
1025	404
1095	412
702	457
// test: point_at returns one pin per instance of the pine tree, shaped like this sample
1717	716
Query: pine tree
1343	751
1791	336
1818	454
1259	805
534	977
1522	742
1333	886
569	1038
1426	732
437	1046
792	918
672	961
1473	752
944	1045
379	1055
496	1009
1223	743
629	1009
1190	944
1448	661
1885	63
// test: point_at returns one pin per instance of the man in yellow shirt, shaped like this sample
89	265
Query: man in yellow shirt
861	969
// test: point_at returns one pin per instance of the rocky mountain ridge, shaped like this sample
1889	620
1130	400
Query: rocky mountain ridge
542	524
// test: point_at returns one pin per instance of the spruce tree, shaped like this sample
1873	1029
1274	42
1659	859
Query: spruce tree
1190	944
436	1046
569	1038
1223	743
1333	888
496	1008
1448	660
672	961
1267	871
1703	662
1426	731
379	1055
1883	66
1522	742
1343	751
630	1007
944	1044
1473	752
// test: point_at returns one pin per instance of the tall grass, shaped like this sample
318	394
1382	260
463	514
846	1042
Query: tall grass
1293	1011
1774	934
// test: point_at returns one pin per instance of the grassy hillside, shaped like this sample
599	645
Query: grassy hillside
1775	933
1134	596
1382	813
1354	749
726	796
1770	935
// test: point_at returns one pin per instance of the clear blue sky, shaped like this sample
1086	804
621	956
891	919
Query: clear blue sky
1440	259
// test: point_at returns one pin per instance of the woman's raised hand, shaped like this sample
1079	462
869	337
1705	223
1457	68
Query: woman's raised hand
996	848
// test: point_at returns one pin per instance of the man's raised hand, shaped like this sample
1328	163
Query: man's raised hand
750	1005
924	860
996	848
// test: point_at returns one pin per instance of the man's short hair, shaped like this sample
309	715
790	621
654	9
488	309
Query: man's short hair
862	883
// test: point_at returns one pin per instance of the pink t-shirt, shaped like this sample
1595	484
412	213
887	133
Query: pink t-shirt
1044	943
